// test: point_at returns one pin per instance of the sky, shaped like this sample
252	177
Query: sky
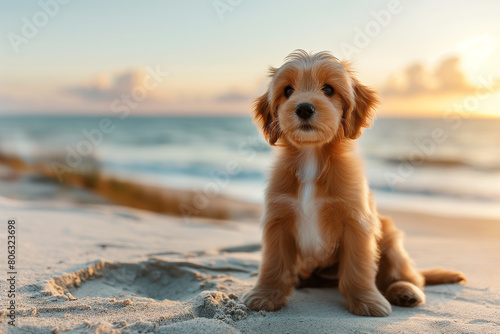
426	58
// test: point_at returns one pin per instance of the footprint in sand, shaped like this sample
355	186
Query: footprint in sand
157	280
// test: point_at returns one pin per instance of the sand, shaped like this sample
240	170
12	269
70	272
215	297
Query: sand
108	269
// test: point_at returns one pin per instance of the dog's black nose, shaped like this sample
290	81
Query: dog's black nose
305	110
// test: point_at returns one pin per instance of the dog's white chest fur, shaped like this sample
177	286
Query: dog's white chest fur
308	233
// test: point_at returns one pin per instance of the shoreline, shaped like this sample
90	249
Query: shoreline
25	181
18	180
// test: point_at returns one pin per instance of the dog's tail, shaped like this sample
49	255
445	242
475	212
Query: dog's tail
442	276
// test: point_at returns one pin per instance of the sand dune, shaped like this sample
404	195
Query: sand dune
106	269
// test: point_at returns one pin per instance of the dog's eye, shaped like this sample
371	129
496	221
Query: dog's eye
328	90
288	91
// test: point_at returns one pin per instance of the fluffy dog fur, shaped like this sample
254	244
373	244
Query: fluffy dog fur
318	210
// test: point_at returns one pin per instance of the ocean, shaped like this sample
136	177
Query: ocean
446	165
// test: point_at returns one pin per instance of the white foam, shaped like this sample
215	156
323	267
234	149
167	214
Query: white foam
444	207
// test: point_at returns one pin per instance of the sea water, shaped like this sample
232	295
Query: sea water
450	166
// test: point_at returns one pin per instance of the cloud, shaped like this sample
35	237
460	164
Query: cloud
416	79
232	96
106	87
451	78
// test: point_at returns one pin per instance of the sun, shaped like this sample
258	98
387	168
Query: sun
476	50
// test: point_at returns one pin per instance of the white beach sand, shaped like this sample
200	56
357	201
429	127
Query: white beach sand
107	269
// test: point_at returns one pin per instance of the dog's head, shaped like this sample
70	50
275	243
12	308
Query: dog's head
312	100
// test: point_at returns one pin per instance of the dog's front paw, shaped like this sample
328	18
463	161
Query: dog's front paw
370	304
262	299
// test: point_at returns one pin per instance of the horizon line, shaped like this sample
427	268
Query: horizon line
226	115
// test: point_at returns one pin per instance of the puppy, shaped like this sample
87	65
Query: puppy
318	211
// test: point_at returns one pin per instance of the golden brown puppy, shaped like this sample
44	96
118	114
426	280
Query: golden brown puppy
318	210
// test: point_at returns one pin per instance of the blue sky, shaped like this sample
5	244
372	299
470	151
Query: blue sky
218	65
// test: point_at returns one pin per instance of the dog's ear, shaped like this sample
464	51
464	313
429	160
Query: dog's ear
264	118
359	112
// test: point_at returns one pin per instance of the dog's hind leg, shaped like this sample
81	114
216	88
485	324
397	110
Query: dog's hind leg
397	278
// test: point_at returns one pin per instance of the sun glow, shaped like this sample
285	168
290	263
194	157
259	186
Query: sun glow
476	50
